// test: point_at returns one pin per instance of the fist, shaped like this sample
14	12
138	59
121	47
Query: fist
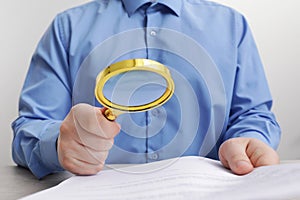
85	139
241	155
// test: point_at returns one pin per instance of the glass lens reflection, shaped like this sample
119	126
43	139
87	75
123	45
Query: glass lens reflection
134	88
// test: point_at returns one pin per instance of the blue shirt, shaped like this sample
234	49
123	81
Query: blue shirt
221	90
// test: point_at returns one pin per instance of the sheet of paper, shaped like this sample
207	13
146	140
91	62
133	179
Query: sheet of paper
180	178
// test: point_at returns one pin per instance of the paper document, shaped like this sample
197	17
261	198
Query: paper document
180	178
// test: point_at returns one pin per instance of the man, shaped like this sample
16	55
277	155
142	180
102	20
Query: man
220	108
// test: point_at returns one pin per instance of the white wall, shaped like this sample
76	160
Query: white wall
275	24
21	23
276	28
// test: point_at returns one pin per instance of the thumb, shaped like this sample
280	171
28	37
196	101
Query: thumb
233	155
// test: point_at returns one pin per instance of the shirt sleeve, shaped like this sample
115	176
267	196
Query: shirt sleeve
250	112
44	102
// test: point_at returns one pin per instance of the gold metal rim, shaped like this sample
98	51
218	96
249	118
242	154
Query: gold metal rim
130	65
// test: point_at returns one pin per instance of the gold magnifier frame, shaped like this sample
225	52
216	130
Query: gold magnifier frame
113	109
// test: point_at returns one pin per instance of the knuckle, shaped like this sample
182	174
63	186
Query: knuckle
98	157
105	144
110	143
99	167
102	157
91	171
79	106
117	129
64	128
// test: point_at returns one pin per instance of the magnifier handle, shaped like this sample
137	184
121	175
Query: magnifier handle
109	115
112	114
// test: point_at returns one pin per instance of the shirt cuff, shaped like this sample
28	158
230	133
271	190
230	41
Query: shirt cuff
48	149
256	135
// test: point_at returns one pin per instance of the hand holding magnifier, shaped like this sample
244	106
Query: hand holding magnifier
133	85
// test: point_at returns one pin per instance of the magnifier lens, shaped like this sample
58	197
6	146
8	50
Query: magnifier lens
134	88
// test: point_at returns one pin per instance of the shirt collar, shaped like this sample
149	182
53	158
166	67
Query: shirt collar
132	5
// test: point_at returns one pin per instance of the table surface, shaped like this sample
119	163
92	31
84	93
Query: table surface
17	182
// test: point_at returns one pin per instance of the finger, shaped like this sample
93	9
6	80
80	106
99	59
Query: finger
69	159
233	155
93	141
69	133
109	128
97	144
90	156
72	149
91	120
261	154
80	167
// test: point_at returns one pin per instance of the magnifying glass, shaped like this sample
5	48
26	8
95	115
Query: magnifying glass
133	85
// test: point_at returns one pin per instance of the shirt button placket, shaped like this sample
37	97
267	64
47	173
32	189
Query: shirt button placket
152	35
152	27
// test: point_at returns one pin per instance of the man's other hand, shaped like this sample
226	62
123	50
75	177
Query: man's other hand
241	155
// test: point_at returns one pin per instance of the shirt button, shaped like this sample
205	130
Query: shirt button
155	112
154	156
153	33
